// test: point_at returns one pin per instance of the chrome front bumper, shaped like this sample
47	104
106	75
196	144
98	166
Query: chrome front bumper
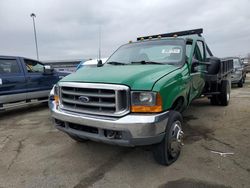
134	129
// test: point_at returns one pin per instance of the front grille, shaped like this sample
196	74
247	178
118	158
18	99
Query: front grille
98	99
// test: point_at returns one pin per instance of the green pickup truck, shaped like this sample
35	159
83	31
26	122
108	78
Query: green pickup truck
137	97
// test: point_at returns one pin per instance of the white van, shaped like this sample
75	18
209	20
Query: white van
92	62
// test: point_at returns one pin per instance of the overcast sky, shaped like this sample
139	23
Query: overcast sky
68	29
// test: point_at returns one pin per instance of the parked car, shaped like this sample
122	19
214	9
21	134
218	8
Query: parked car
137	96
246	63
238	75
23	79
90	63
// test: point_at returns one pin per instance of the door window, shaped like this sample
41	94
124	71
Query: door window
188	49
33	66
237	63
200	46
8	66
198	54
208	52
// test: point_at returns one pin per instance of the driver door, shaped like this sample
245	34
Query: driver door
38	84
197	75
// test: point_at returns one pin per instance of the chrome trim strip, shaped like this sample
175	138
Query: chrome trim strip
12	98
23	96
37	94
93	85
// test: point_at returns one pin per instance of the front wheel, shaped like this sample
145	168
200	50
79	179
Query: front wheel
168	150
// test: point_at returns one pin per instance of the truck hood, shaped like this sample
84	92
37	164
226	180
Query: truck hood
137	77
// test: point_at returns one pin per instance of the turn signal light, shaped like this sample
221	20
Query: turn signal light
56	98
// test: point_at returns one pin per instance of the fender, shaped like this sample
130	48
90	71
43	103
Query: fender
174	85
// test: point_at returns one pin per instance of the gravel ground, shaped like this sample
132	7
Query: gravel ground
34	154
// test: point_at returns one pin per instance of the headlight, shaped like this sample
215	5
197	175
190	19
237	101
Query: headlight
143	98
143	101
56	89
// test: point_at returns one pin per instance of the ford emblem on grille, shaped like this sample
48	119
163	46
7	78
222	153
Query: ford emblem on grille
83	99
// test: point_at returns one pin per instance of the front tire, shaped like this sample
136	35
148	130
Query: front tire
168	150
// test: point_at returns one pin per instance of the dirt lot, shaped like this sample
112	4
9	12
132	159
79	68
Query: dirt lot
34	154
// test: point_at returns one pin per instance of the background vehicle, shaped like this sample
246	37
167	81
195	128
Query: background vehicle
137	96
90	63
23	79
246	62
238	75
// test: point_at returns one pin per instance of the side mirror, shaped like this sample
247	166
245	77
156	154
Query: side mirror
48	70
194	66
99	63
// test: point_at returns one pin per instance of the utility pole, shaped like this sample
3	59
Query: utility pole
32	15
99	54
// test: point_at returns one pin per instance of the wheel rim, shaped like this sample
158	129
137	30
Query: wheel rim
176	139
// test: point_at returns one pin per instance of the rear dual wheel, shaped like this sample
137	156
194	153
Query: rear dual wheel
224	97
225	92
168	150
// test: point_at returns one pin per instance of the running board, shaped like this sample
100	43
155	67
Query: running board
20	104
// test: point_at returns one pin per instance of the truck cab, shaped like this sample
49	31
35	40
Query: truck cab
137	97
24	79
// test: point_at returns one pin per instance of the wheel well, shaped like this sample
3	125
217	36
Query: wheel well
178	104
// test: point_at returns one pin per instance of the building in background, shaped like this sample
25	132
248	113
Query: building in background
67	66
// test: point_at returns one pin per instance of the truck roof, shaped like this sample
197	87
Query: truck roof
194	35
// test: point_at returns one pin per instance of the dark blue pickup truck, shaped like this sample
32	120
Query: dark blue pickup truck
24	81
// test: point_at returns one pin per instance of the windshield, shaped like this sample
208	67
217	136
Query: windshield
237	63
149	52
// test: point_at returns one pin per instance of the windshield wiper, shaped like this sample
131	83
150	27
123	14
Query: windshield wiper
147	62
116	63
